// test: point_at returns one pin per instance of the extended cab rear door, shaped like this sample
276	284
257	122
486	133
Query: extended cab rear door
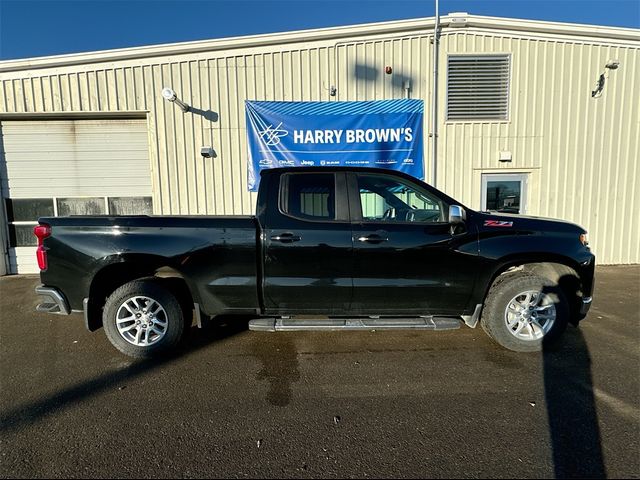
307	242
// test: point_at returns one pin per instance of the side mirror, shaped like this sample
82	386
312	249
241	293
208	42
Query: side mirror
457	214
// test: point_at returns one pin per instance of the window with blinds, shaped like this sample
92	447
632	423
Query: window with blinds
477	87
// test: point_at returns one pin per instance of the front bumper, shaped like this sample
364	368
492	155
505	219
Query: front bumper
586	305
54	301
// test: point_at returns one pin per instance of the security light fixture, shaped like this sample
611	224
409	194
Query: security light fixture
612	64
171	96
207	152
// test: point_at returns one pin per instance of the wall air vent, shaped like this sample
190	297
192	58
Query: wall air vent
477	87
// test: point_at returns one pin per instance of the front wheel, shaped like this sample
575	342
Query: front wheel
523	311
143	318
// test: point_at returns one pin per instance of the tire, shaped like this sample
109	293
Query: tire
160	328
507	303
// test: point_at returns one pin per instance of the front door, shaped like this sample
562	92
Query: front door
407	261
309	255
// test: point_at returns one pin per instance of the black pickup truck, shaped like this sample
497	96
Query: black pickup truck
343	248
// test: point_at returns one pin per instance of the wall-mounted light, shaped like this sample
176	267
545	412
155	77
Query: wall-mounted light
207	152
171	96
610	65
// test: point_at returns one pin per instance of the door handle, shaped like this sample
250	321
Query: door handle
286	237
373	238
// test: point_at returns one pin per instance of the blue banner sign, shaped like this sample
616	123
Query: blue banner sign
381	133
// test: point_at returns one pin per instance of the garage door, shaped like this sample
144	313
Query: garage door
69	167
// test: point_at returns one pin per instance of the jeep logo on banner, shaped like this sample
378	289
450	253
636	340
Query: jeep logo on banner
380	133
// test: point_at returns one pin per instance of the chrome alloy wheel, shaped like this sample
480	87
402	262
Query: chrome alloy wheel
530	315
141	321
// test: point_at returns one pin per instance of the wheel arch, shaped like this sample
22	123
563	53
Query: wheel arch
558	269
114	275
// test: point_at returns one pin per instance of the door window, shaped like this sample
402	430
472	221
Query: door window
387	199
309	196
505	193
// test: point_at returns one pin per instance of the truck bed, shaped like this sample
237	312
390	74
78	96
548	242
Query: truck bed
216	255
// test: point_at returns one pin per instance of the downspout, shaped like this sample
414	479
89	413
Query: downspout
434	97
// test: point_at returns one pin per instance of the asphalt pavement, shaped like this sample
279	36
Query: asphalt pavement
234	403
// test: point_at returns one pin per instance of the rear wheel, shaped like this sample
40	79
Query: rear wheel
523	311
143	318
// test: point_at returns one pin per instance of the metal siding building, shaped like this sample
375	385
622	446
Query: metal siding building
575	156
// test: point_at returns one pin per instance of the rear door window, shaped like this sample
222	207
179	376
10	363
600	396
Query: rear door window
309	196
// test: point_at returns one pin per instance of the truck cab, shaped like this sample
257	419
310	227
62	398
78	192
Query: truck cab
374	242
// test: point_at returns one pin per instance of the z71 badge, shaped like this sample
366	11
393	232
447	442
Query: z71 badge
497	223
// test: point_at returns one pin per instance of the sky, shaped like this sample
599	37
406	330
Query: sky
50	27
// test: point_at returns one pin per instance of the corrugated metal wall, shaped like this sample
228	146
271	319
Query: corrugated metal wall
580	153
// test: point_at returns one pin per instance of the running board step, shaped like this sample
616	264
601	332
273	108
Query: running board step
292	324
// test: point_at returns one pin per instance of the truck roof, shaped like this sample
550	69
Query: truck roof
331	168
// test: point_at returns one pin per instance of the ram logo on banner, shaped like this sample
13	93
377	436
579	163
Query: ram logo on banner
381	133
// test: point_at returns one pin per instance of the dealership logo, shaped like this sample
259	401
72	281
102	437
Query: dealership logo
265	162
307	163
271	136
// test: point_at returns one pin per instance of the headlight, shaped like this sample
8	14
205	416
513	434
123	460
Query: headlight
583	239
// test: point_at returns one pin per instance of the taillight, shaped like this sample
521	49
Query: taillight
42	231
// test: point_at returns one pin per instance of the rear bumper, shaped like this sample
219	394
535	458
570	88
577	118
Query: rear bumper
53	301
